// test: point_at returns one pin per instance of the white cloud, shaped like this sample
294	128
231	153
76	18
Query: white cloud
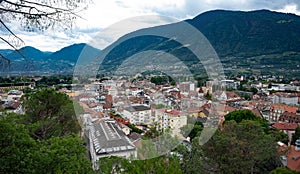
110	34
47	41
104	13
290	8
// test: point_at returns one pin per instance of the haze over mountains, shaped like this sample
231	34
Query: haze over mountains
258	42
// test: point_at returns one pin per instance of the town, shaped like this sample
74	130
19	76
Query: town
122	112
149	87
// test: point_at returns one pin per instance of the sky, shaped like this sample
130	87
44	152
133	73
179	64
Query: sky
103	17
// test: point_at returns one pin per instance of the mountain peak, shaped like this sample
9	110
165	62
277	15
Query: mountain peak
72	52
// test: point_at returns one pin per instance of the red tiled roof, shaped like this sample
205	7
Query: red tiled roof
256	112
291	109
14	105
231	94
290	117
285	126
293	160
171	111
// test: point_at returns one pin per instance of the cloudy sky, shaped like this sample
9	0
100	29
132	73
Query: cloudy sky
103	14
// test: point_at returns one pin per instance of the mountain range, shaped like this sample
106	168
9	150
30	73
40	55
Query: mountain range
62	61
259	42
238	33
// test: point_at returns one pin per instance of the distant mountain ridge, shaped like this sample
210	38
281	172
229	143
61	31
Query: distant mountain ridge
72	52
5	52
68	53
240	33
260	42
28	52
62	60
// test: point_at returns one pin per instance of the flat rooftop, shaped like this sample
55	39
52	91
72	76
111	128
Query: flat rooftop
137	108
109	138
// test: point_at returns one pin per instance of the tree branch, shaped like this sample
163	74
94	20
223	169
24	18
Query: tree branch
13	47
45	5
38	15
30	14
10	31
18	5
54	8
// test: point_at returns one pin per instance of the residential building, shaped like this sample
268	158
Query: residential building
287	128
139	114
291	156
171	119
230	84
289	117
14	107
277	110
226	96
187	87
286	98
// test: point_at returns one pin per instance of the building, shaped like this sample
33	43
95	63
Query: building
139	114
287	128
187	87
286	98
289	117
230	84
16	86
170	119
105	138
226	96
291	156
277	110
14	107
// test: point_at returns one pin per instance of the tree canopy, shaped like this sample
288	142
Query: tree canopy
159	165
20	153
192	130
240	115
282	170
280	136
161	80
50	113
235	148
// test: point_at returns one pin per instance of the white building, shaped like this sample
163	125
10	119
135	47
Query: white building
107	139
139	114
286	98
231	84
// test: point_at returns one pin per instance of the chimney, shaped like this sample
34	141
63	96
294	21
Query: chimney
297	145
